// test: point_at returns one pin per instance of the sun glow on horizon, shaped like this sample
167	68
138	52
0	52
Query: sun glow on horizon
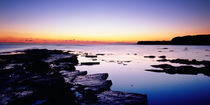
105	21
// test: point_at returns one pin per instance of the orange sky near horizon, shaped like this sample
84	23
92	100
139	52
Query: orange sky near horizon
100	22
56	37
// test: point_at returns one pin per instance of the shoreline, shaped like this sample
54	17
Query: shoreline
49	76
184	40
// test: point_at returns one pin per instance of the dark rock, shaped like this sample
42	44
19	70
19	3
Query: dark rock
151	56
86	87
162	60
62	66
127	61
181	69
121	98
90	63
163	56
94	59
185	61
93	84
100	54
37	66
91	56
164	48
41	76
55	58
69	76
163	66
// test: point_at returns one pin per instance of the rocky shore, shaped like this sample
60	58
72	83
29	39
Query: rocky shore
46	77
187	67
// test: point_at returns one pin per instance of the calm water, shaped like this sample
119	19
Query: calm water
126	67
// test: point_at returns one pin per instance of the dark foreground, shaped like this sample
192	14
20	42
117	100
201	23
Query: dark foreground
41	76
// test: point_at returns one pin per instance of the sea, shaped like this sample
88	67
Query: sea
126	66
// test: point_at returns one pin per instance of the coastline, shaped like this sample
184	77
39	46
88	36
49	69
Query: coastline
49	76
184	40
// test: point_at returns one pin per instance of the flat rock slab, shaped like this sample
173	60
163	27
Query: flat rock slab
92	84
69	76
70	58
119	98
62	66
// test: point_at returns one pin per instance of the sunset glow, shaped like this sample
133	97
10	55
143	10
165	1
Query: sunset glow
101	21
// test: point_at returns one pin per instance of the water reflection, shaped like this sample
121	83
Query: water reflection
161	88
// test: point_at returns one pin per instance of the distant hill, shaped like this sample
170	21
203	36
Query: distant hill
185	40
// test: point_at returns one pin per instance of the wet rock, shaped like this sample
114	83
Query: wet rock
37	66
163	66
163	56
40	76
91	56
69	76
185	61
151	56
121	98
89	85
12	66
162	60
62	66
90	63
181	69
56	58
27	87
26	78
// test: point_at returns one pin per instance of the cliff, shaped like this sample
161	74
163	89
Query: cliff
185	40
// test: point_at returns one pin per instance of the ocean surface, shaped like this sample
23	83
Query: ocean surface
126	67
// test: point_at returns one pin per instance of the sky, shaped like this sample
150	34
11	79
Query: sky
101	21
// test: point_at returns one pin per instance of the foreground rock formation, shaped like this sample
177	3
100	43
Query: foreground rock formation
41	76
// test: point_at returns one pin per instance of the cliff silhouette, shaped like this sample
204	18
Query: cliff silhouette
184	40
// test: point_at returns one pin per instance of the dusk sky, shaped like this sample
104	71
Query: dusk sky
75	21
